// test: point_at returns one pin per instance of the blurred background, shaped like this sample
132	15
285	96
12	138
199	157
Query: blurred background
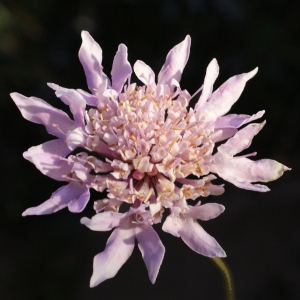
50	257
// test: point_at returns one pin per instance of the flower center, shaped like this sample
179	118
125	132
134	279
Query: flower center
148	141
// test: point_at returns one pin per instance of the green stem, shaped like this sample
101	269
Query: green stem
226	276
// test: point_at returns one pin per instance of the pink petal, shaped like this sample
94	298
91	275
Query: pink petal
225	134
235	121
90	56
55	147
241	140
226	95
76	138
172	226
212	73
58	200
104	221
79	204
205	212
241	171
143	72
151	248
90	99
51	165
175	62
73	99
199	240
121	69
38	111
118	249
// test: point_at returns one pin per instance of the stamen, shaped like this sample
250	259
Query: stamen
199	90
148	195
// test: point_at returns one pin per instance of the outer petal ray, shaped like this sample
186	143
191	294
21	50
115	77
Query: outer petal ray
175	62
151	248
241	140
143	72
90	56
55	147
51	165
226	95
212	73
205	212
121	68
38	111
118	249
235	121
78	204
72	98
103	221
241	171
199	240
59	200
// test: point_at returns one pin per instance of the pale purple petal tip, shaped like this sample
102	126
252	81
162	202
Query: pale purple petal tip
121	68
152	250
200	241
38	111
53	166
143	72
90	56
58	200
212	73
55	147
103	221
206	212
175	62
118	249
73	99
226	95
79	204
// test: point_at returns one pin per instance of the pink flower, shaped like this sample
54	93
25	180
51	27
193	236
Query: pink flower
144	146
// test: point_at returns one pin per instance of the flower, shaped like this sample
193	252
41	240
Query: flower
148	150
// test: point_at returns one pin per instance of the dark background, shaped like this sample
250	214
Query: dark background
50	257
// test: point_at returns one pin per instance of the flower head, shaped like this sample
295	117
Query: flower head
148	150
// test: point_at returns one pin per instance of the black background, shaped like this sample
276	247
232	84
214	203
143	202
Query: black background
50	257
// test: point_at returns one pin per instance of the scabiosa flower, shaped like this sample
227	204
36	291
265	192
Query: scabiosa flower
148	150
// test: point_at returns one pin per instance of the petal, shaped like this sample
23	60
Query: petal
199	240
90	99
226	133
151	248
104	221
175	62
171	226
143	72
79	204
56	147
226	95
241	171
121	69
235	121
58	200
38	111
76	138
205	212
51	165
118	249
73	99
212	73
241	140
90	56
